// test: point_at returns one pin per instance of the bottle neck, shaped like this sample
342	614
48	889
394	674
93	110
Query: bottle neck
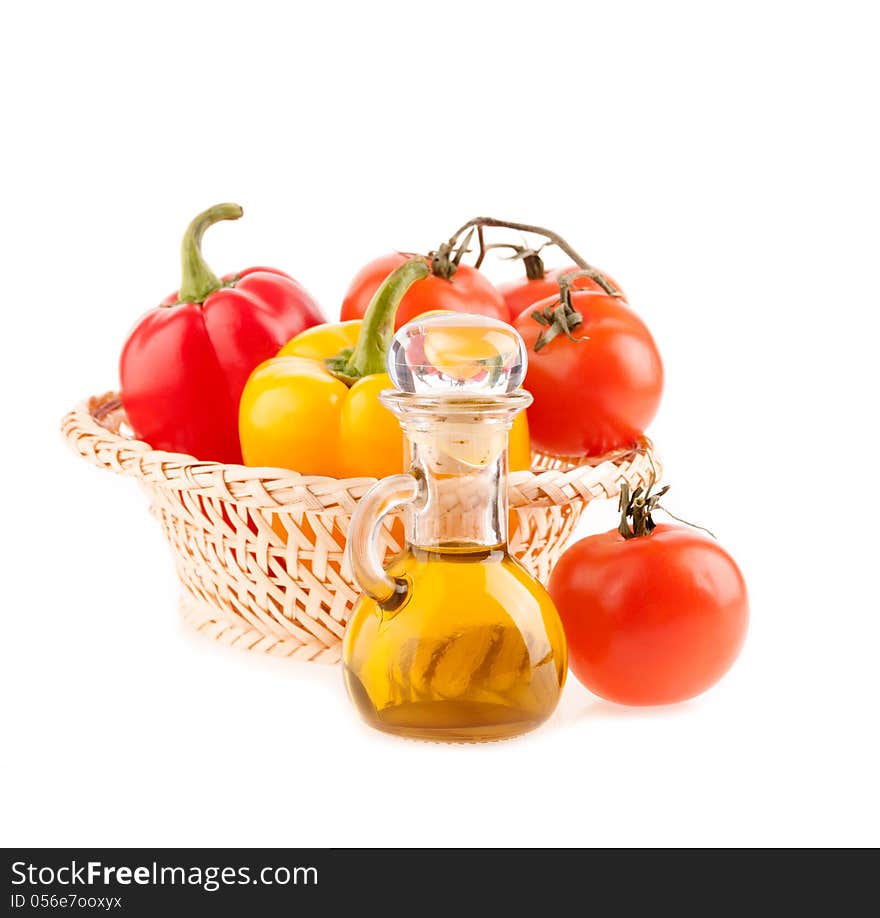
458	453
461	465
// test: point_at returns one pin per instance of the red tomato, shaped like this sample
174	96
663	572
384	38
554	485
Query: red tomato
467	291
522	293
594	395
654	619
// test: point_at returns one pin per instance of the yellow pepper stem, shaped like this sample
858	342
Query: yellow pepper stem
370	353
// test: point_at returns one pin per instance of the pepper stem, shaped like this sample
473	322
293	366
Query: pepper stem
371	350
198	280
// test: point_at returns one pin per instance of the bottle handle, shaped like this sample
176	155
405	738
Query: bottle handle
386	496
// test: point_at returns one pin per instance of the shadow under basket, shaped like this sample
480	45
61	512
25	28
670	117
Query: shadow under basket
260	552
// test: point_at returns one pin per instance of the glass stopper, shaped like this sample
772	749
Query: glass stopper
457	354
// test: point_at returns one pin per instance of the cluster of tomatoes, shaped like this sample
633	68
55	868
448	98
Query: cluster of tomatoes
595	390
246	364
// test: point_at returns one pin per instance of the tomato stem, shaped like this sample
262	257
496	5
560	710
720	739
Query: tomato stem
569	277
198	281
549	235
562	317
446	259
531	258
637	508
534	265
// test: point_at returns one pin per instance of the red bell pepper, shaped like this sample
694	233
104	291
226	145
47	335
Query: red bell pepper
185	363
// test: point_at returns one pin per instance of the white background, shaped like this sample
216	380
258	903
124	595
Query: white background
722	165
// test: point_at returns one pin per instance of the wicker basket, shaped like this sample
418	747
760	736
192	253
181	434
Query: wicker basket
261	552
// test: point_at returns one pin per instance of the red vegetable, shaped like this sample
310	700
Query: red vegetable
654	614
594	371
185	363
465	290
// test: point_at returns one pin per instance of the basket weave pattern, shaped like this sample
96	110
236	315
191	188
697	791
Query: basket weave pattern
261	552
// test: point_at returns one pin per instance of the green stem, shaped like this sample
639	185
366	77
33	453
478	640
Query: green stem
198	280
369	354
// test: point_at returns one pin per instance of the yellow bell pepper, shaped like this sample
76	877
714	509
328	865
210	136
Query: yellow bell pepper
315	407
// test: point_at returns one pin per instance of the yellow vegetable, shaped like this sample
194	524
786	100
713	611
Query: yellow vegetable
315	408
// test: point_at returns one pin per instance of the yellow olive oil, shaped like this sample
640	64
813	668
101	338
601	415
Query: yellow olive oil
476	650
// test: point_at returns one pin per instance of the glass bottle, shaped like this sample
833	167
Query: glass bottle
454	640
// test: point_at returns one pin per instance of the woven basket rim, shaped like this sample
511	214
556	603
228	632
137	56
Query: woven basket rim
561	480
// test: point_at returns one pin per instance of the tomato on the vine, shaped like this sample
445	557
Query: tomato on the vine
650	619
526	291
467	290
594	371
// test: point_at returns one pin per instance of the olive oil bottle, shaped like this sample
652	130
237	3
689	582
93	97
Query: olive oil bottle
454	640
